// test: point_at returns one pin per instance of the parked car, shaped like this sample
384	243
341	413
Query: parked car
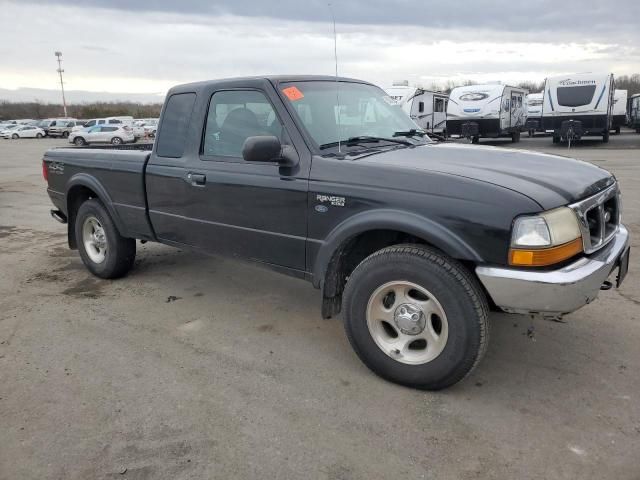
23	131
103	121
413	240
63	128
45	124
8	128
113	134
145	128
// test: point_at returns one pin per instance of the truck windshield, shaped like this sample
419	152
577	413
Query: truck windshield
339	111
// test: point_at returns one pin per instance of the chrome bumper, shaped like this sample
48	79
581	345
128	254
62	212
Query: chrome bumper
557	292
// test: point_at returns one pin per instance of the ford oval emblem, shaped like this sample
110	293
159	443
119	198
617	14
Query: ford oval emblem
322	208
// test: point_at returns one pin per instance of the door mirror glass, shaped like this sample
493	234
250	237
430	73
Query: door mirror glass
263	148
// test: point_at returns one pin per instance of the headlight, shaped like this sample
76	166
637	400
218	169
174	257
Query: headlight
545	239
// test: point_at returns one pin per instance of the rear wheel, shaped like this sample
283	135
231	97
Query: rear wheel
605	137
116	141
103	250
65	134
515	137
556	139
475	139
15	136
416	317
79	141
530	133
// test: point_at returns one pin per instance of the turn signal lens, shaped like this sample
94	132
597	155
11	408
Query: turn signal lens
543	257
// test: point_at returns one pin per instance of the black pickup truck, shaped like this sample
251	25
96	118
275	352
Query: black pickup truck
328	180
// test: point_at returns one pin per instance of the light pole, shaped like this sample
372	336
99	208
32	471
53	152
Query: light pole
60	70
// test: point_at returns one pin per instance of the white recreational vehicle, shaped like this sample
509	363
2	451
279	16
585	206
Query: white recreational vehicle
578	105
619	116
427	108
493	111
534	113
634	112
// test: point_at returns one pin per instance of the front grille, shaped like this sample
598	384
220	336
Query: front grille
599	218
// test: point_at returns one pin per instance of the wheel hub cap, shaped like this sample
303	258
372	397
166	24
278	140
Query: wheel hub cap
409	319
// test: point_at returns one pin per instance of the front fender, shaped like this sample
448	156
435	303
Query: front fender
388	219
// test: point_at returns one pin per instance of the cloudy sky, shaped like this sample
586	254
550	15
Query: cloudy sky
125	46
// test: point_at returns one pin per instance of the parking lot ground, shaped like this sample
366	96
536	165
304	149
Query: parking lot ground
202	367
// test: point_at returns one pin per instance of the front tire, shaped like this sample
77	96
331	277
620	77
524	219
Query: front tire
38	135
103	250
116	141
79	141
15	136
416	317
605	137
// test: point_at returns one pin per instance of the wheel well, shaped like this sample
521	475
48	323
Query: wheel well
76	196
349	255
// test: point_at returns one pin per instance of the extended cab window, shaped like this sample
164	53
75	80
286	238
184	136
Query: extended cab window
175	124
235	116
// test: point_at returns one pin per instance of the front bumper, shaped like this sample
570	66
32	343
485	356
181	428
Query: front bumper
557	292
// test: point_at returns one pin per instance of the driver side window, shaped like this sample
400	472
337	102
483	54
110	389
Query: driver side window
235	116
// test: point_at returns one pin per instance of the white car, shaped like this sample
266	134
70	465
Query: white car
116	135
145	128
23	131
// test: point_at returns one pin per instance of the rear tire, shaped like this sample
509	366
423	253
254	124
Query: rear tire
556	139
515	137
605	137
447	307
15	136
65	134
105	252
475	139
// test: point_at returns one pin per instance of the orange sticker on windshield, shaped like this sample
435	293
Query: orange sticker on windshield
293	93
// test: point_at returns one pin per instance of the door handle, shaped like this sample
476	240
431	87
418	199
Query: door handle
197	179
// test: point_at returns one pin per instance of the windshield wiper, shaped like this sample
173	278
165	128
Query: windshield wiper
365	139
410	133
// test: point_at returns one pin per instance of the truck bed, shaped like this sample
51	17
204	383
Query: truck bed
117	171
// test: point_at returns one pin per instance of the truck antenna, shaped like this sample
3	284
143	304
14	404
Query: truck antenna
335	57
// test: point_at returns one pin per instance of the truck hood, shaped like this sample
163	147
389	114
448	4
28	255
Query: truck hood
549	180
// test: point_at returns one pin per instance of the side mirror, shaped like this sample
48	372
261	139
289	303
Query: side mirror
269	149
262	149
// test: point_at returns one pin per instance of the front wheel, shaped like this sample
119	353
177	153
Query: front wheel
116	141
79	141
103	250
416	317
605	137
38	135
515	137
15	136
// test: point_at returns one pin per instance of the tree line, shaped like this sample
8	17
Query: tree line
38	110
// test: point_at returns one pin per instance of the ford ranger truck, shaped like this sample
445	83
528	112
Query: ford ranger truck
328	180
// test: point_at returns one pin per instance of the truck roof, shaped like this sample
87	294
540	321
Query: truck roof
275	79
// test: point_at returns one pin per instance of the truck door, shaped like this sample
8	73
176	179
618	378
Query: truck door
218	202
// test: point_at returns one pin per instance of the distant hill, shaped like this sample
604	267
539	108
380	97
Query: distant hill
75	96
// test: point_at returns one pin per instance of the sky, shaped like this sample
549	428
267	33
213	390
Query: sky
143	48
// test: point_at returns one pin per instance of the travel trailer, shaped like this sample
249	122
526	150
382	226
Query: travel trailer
578	105
427	108
534	113
477	111
619	116
634	112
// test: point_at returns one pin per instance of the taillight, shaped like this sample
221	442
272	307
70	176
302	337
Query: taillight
45	171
